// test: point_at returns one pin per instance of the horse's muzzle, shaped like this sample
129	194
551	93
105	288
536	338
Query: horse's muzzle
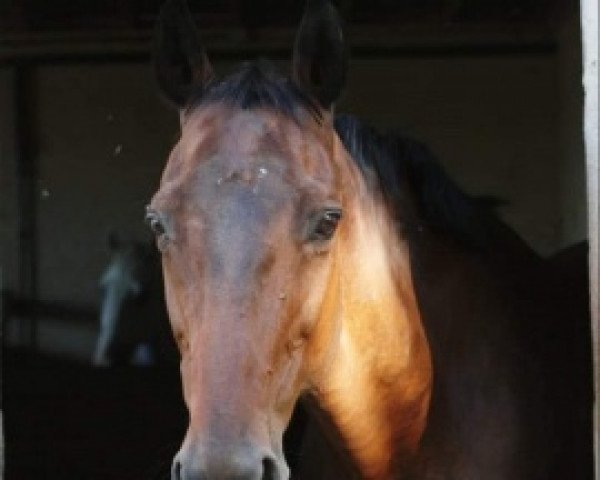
240	464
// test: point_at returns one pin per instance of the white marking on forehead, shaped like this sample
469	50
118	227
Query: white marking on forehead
262	173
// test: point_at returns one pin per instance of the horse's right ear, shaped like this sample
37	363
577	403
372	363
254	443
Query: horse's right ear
180	61
320	58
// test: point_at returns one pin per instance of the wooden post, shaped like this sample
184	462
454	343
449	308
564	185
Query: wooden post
589	34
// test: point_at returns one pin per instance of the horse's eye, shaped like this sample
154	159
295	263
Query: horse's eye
154	222
325	224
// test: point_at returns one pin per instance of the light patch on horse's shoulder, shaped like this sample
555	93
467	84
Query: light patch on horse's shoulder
382	369
364	430
376	309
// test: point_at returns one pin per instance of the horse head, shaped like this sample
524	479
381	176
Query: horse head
274	256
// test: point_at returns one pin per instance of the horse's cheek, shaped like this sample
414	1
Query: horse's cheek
324	327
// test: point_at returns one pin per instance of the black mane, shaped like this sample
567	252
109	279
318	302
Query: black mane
258	85
394	162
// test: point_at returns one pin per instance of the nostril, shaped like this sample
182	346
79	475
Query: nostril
269	469
176	470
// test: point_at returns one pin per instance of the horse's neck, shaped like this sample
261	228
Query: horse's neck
377	386
464	291
473	320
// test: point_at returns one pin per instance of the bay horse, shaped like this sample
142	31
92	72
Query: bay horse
301	259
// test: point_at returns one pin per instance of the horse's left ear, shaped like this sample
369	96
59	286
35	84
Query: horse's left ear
320	59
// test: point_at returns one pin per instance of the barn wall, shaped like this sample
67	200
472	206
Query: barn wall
103	140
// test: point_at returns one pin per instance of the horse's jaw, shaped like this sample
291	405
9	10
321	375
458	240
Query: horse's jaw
376	386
